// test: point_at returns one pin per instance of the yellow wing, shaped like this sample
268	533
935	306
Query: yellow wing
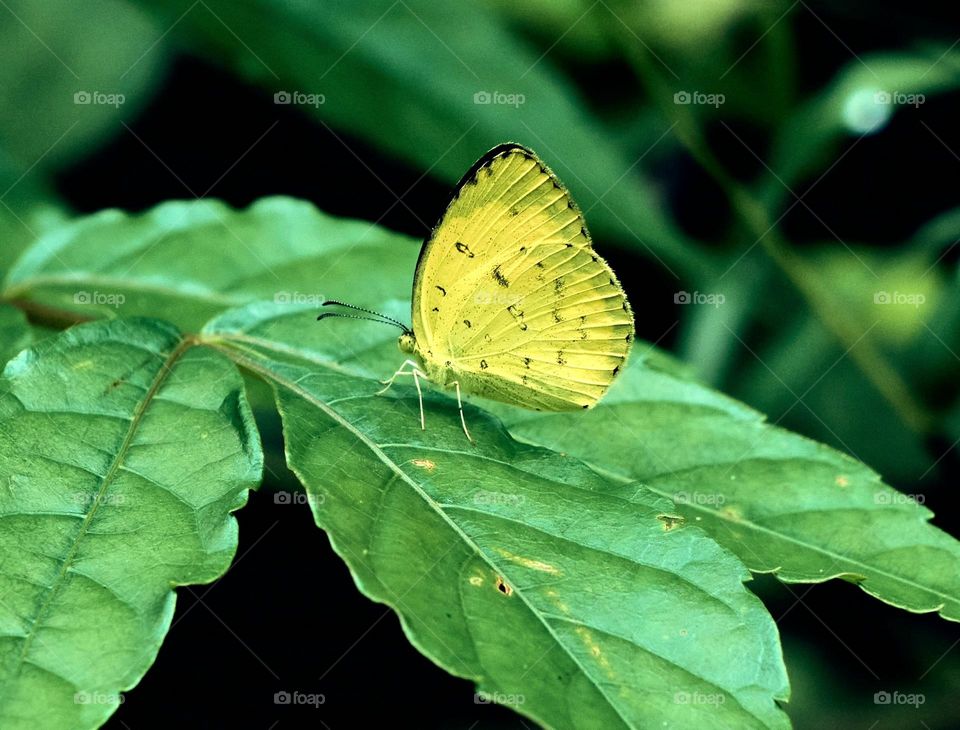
509	297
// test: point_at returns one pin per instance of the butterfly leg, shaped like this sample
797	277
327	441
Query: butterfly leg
400	371
416	381
463	421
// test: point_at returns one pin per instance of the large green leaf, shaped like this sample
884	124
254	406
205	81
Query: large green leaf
419	67
579	601
15	333
781	502
123	452
187	261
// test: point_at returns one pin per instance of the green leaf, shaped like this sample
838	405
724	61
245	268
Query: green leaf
420	67
15	332
780	502
187	261
572	598
124	450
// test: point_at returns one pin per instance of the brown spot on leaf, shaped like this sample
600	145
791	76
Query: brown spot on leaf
670	522
504	587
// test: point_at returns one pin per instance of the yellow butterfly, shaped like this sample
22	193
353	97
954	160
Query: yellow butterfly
510	301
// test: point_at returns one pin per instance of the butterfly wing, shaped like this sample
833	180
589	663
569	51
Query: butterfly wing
510	293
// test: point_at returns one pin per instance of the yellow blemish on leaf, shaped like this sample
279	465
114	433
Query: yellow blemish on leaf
670	522
83	365
732	513
424	464
476	580
529	563
594	648
842	481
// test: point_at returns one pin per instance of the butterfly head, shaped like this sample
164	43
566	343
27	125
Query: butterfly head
407	343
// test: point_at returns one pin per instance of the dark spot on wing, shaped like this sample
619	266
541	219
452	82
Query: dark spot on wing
560	360
586	406
595	258
556	316
523	379
517	314
523	249
464	248
539	264
483	365
526	362
568	245
467	322
630	337
558	285
616	370
442	290
499	277
435	309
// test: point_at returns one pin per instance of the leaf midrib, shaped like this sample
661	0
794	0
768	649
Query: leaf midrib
60	579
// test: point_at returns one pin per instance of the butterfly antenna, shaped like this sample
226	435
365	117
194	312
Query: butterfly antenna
382	317
357	316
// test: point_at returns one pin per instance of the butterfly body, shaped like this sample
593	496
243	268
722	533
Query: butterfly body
510	301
